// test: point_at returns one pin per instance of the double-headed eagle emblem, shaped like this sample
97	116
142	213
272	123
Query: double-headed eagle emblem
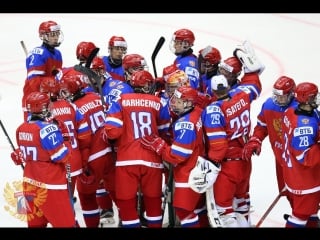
24	204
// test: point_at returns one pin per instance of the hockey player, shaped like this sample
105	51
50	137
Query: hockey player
46	155
181	45
208	60
300	158
95	152
133	62
111	91
187	145
133	116
117	47
269	124
66	116
44	60
83	51
226	130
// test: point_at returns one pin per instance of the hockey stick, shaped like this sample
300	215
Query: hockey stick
91	74
91	57
24	48
155	53
9	140
169	198
69	184
213	215
275	201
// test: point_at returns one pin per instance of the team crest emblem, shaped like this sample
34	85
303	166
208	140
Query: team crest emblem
112	84
192	63
23	206
305	120
277	126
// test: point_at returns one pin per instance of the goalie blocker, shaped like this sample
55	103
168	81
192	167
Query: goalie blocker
203	175
246	54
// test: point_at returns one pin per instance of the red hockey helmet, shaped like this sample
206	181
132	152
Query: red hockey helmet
231	65
283	90
142	81
71	83
84	49
284	85
50	86
98	64
184	35
140	78
211	55
135	61
49	26
183	100
117	41
186	93
48	31
37	102
306	93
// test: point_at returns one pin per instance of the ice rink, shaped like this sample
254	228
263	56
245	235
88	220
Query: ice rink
288	44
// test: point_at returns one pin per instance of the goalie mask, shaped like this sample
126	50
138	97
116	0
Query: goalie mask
175	80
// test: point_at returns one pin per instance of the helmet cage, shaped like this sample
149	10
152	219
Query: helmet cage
51	34
281	99
182	100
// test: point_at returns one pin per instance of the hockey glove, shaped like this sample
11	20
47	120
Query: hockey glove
154	143
203	175
63	128
202	100
87	176
17	157
253	146
246	54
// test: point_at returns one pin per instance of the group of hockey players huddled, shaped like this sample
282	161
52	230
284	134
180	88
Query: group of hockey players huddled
121	137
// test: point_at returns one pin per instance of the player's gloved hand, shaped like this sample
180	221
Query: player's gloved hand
63	128
104	136
87	176
17	157
57	73
154	143
202	100
253	146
